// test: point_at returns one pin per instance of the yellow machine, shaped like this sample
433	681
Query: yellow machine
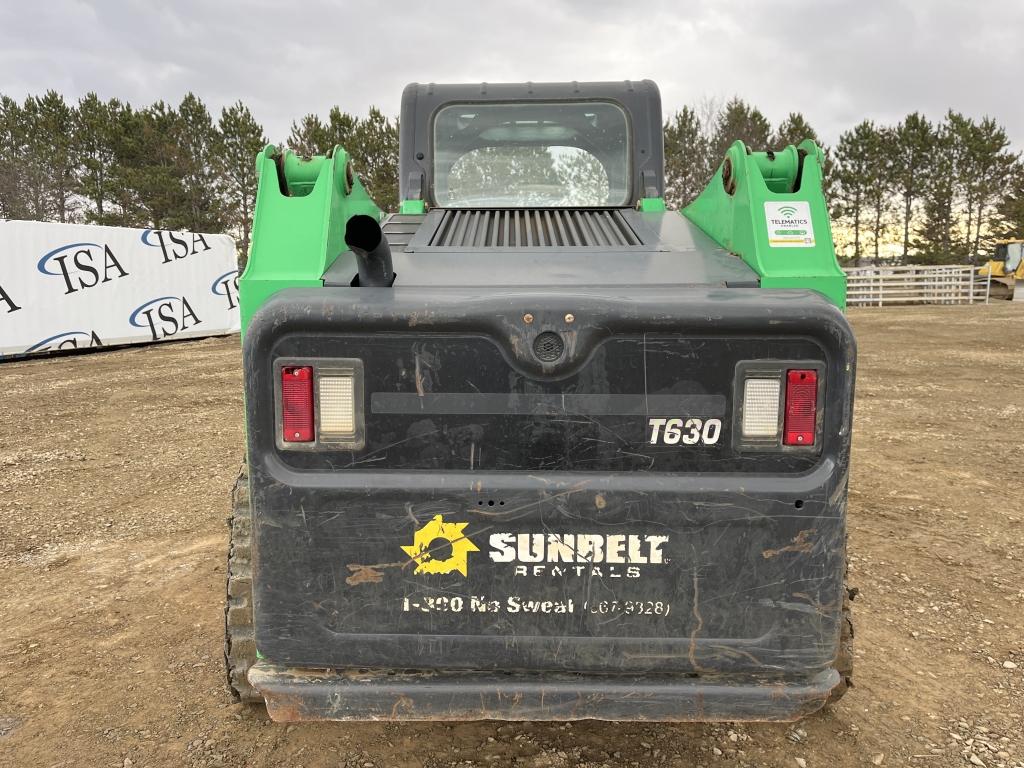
1005	268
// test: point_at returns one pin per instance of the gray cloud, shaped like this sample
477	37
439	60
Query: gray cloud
837	62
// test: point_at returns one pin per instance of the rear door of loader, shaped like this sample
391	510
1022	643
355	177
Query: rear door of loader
549	494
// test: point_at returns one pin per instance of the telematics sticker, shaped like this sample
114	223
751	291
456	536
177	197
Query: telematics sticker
789	225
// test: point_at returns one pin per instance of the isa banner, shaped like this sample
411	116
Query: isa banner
70	286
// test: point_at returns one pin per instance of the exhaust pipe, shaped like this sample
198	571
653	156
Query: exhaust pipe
373	254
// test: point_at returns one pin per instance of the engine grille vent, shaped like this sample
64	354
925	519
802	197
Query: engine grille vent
534	228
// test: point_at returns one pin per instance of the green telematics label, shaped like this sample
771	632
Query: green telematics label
789	224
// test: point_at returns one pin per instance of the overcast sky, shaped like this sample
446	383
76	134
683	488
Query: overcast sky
837	62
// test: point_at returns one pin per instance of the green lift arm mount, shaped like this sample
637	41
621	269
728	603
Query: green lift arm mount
302	206
768	209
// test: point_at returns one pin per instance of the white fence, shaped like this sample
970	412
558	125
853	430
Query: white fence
885	286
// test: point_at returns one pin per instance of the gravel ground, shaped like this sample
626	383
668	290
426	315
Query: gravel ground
115	470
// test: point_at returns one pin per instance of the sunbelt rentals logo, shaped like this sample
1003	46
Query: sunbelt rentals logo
440	548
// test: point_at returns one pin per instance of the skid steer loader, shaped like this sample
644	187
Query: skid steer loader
534	447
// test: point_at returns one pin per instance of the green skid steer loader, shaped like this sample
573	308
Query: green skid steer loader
535	447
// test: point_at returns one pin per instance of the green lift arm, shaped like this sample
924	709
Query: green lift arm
768	208
302	206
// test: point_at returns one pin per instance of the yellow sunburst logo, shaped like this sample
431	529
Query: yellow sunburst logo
425	546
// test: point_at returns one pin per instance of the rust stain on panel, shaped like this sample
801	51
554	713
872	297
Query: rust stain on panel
800	543
363	574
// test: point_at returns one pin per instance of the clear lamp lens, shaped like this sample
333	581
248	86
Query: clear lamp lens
761	407
337	405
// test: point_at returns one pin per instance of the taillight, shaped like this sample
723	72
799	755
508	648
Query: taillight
801	407
778	405
297	404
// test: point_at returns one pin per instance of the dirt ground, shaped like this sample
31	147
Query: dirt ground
114	476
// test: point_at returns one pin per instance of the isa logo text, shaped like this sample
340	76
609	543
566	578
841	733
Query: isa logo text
165	316
82	265
226	285
175	245
67	340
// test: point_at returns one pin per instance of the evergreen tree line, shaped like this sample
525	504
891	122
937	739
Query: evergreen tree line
931	192
163	166
106	162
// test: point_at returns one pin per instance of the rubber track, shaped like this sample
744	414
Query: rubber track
239	638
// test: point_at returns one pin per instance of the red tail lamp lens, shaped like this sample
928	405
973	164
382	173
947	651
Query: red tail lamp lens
297	404
801	407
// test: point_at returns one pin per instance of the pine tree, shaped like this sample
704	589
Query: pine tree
12	150
854	156
793	130
935	241
375	156
240	140
739	121
57	121
963	133
913	148
33	175
37	160
341	129
123	207
201	176
878	200
153	170
974	176
1010	211
687	160
991	166
98	127
309	137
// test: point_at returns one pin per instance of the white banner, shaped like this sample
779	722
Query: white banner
71	286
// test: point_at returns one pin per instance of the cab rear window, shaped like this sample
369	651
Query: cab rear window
571	154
